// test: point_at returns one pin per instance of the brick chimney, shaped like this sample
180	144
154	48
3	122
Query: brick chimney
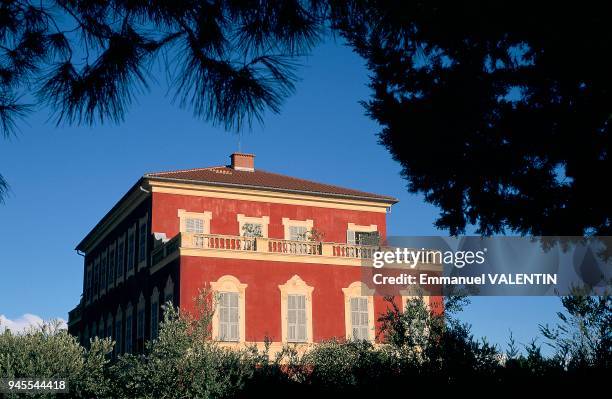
245	162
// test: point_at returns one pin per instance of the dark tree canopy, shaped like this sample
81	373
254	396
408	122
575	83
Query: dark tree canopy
86	60
499	112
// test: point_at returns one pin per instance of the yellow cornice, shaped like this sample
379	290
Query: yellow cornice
278	197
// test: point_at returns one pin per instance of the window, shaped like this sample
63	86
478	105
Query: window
118	330
109	326
120	258
359	312
140	321
359	318
85	341
297	233
252	230
228	316
193	225
297	230
154	319
296	318
128	329
296	310
130	250
229	321
142	242
362	235
103	276
89	279
140	324
154	313
194	222
169	290
253	226
96	278
366	238
111	266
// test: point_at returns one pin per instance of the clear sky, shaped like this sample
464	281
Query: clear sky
64	179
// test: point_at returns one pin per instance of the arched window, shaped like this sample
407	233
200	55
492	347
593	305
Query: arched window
296	310
129	321
140	322
359	312
169	291
154	313
229	320
118	331
109	326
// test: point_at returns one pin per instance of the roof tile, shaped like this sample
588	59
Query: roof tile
225	175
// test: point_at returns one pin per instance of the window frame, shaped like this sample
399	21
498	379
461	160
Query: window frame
353	228
103	272
131	252
120	263
264	221
96	278
205	217
119	331
142	244
88	283
112	259
141	319
154	327
296	286
128	341
229	284
169	291
289	223
358	289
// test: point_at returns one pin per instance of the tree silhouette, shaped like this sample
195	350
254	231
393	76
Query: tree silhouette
86	60
499	112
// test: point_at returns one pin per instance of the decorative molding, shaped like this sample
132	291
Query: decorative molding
361	228
229	283
206	216
296	286
358	289
269	196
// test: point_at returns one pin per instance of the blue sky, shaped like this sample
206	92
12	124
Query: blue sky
64	179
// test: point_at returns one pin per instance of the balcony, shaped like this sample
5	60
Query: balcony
74	315
261	248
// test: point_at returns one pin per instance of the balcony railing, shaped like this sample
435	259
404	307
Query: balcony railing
273	246
168	248
294	247
216	241
261	244
354	251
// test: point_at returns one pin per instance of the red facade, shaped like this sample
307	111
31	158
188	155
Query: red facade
188	226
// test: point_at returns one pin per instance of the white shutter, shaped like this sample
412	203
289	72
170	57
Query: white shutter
296	318
359	318
194	225
228	316
350	237
297	233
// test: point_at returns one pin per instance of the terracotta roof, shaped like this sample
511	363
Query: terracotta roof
225	175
